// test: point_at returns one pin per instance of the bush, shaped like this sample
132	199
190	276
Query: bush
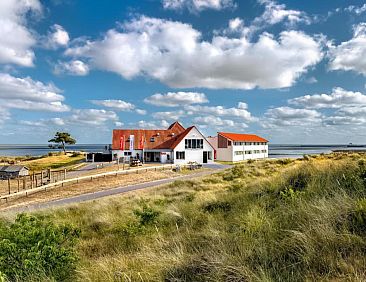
147	215
357	217
218	206
33	249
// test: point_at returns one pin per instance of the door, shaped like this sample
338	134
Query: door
205	157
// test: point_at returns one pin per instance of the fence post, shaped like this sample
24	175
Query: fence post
65	174
9	184
18	183
41	177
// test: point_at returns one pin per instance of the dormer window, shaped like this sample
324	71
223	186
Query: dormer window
152	139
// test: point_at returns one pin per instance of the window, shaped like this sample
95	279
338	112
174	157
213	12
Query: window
238	153
248	152
229	143
180	155
264	151
209	155
127	153
194	143
152	139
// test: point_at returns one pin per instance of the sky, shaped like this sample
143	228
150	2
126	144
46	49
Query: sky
292	72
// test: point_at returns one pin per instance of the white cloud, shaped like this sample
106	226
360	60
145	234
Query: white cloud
151	124
28	94
118	105
197	5
141	111
286	116
337	99
350	55
357	10
236	24
176	115
275	13
57	37
74	67
92	117
57	121
16	40
4	115
118	124
173	53
240	112
172	99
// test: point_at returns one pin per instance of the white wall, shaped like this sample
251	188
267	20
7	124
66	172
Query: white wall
225	154
228	154
193	155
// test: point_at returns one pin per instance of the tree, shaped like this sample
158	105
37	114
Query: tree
63	138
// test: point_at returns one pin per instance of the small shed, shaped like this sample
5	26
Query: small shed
13	171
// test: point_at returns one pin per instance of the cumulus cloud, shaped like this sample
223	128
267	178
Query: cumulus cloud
239	112
174	53
57	37
118	105
275	13
176	115
172	99
143	124
337	99
197	5
92	117
28	94
287	116
16	40
350	55
74	67
356	9
141	111
4	115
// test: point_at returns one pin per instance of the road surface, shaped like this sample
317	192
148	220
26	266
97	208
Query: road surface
110	192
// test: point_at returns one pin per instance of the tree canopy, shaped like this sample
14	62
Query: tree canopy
63	138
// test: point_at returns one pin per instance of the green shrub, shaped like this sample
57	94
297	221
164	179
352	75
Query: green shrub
357	217
147	215
218	206
284	161
32	249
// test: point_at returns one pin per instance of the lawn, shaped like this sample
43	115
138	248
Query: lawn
53	161
271	220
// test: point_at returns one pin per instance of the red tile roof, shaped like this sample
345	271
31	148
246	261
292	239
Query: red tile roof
242	137
163	138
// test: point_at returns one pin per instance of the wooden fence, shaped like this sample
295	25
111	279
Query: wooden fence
17	193
34	180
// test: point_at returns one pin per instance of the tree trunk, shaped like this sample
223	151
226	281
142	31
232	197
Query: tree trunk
63	147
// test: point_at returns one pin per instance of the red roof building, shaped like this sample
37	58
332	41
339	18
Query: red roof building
234	147
162	145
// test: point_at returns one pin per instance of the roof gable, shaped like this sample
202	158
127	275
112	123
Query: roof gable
153	138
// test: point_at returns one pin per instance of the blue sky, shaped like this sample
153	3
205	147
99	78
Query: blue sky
290	71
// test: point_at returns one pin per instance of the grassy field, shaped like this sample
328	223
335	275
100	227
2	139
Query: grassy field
53	161
273	220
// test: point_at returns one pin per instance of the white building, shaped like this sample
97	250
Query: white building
173	145
234	147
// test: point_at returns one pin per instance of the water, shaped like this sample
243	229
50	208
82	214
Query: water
275	150
40	150
298	151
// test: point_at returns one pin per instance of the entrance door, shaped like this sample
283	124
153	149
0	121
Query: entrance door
205	157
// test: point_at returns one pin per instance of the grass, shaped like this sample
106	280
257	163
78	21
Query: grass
273	220
53	161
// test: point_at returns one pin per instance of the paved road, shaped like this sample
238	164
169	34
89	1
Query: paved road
112	191
86	168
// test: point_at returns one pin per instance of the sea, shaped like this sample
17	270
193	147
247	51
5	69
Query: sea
275	150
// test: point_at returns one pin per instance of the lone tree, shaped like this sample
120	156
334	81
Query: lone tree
63	138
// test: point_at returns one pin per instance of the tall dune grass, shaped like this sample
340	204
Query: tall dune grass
262	221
